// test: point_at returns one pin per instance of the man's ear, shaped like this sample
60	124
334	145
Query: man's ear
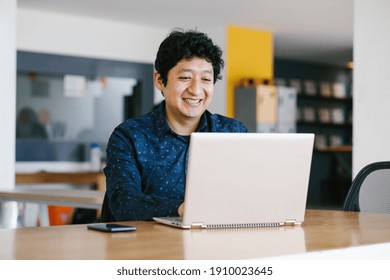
158	82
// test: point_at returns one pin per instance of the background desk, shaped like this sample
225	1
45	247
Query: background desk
322	230
96	178
75	198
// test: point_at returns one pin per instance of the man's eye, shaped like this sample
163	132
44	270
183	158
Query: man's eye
184	78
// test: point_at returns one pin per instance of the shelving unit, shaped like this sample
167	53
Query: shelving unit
325	108
331	119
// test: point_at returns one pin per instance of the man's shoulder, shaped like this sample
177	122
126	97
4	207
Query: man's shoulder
222	123
141	123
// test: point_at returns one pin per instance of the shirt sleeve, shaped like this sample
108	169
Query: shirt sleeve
127	201
242	128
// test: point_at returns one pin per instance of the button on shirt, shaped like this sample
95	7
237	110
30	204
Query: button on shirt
147	164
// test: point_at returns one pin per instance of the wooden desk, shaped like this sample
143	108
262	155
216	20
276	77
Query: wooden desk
322	230
43	177
70	197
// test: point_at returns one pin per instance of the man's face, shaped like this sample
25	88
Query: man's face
189	89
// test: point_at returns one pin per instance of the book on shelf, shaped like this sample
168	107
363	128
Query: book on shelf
320	141
339	90
310	88
296	83
324	115
335	140
338	116
309	114
325	89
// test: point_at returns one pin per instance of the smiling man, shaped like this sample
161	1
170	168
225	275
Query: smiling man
147	156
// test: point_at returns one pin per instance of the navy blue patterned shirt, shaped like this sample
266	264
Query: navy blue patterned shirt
147	164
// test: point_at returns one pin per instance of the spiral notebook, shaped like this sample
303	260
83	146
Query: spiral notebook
245	180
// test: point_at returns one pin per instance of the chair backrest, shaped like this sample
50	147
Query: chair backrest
370	190
106	215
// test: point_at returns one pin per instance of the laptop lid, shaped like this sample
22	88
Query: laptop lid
247	179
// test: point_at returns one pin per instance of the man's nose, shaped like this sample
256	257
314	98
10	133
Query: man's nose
196	87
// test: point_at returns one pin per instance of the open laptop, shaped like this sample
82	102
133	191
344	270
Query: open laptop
245	180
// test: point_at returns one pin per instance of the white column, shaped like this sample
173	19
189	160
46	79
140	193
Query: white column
371	83
7	106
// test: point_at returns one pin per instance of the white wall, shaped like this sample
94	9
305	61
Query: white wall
7	91
371	100
218	35
7	105
82	36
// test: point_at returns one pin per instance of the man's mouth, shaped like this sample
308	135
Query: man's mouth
192	101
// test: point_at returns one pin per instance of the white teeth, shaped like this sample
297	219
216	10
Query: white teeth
192	101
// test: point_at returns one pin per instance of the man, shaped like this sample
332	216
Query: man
147	156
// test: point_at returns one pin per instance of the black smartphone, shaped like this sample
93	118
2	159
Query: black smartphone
111	227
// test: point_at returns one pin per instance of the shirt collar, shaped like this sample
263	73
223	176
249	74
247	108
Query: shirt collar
202	123
160	122
162	126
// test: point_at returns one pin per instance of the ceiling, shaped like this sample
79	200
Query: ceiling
308	30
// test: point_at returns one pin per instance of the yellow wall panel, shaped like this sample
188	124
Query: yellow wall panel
249	55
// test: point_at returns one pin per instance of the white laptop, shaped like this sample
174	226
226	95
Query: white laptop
246	180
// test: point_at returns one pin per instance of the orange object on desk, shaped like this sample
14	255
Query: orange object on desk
60	215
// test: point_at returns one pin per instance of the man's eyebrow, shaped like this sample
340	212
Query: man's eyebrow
184	70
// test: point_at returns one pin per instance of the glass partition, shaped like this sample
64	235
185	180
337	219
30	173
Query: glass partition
61	111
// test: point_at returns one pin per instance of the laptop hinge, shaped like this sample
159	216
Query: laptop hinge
197	225
291	222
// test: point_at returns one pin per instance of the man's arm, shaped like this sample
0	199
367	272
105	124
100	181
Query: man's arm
180	210
124	185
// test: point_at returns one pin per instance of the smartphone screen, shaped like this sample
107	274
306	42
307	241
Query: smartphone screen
111	227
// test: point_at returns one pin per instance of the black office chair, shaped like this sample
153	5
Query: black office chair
370	190
106	215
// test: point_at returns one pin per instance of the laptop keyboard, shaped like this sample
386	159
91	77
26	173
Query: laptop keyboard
174	219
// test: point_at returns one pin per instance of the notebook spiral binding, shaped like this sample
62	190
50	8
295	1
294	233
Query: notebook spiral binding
243	225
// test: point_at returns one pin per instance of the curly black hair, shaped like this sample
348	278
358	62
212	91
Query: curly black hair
186	45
